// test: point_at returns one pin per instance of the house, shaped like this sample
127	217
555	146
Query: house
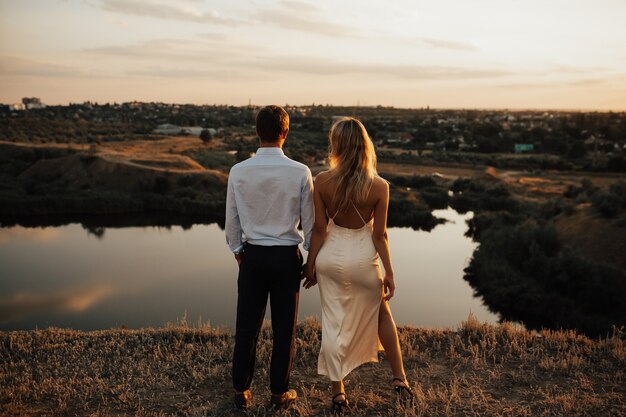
168	129
191	130
335	119
524	147
466	147
32	103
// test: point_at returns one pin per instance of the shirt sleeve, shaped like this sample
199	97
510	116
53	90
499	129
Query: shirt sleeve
307	214
232	225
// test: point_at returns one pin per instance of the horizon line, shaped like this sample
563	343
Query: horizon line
369	106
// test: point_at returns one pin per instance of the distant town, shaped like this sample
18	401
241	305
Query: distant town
587	140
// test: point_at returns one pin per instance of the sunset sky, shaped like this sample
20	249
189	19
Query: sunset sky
561	54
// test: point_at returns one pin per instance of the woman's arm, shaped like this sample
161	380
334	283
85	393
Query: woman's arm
317	236
379	236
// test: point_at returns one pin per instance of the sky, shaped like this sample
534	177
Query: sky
513	54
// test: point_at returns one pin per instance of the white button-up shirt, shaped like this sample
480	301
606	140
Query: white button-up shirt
268	196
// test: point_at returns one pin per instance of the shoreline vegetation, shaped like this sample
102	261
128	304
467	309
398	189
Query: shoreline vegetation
474	370
53	185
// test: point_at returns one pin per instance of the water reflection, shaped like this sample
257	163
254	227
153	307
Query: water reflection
27	304
12	234
147	276
428	270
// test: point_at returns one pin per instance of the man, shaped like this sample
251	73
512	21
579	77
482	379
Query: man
268	196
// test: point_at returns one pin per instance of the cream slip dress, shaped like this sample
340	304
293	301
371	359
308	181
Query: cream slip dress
351	290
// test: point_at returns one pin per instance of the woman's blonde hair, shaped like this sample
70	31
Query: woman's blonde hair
352	162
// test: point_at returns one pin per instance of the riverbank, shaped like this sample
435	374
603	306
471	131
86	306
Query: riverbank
476	369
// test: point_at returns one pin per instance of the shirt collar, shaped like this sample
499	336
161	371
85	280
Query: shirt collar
270	151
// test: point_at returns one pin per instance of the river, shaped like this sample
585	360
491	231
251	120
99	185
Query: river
69	276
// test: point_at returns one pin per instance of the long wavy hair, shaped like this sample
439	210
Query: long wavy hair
352	162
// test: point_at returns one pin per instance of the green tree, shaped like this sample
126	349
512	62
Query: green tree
206	136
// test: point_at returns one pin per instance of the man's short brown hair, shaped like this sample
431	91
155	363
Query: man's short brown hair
271	122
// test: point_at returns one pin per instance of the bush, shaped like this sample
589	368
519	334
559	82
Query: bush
472	195
206	136
436	198
572	191
616	164
523	272
413	181
612	202
608	205
161	185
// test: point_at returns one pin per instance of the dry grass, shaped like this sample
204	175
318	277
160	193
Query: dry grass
475	370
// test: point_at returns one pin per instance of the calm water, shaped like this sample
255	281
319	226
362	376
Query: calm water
147	276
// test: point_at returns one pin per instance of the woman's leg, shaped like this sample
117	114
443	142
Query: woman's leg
337	387
388	335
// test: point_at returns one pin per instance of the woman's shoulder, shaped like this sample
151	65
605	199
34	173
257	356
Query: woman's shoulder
322	174
322	177
380	183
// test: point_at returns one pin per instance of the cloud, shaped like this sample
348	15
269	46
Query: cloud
206	55
300	6
318	66
445	44
525	86
186	73
185	11
24	304
301	17
586	82
10	65
206	47
213	56
567	69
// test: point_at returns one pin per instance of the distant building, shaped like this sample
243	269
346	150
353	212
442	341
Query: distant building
168	129
191	130
32	103
403	138
524	147
466	146
406	137
335	119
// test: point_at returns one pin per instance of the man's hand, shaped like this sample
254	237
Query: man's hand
308	274
239	257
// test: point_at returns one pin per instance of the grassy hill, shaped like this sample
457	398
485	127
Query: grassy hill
475	370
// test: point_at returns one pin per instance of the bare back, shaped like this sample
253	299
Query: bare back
325	185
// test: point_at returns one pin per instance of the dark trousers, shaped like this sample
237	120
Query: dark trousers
273	271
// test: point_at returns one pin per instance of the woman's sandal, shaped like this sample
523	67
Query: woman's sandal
404	392
339	406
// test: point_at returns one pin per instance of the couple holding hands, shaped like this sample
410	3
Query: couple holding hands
343	219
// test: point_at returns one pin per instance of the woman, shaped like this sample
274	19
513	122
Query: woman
349	235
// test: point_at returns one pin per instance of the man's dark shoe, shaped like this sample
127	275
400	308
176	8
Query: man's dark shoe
283	400
243	400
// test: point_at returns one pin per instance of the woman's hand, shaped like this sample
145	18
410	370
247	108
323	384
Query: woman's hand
390	286
308	273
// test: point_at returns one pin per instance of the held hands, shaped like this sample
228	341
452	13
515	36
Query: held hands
308	274
390	286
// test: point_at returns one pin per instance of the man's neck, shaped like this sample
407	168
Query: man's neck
278	144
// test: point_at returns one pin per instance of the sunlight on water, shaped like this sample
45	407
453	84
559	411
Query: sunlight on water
136	277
